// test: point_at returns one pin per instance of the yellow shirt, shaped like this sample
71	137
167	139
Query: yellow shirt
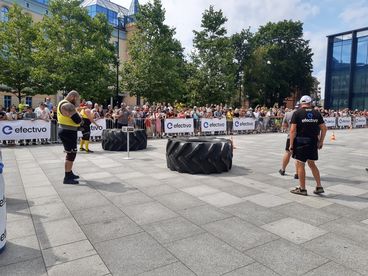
62	119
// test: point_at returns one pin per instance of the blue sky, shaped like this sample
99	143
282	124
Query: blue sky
320	18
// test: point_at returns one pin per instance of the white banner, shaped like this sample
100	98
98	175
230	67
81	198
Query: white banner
96	131
344	121
25	129
179	125
244	124
330	121
360	121
2	213
208	125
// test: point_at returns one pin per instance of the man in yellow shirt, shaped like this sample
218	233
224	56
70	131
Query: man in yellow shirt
87	117
69	122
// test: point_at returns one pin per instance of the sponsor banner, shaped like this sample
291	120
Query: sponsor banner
330	121
25	129
344	121
360	121
96	131
179	125
2	213
244	124
213	124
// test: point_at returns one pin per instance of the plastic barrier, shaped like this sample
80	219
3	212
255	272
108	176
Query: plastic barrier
2	210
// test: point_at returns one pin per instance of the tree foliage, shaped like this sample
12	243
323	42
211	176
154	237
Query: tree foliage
16	38
213	80
73	51
156	67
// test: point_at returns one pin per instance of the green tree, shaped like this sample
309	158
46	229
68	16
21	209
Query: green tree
213	56
73	51
156	67
281	63
16	38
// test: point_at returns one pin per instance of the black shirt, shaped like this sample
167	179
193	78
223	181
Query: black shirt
307	121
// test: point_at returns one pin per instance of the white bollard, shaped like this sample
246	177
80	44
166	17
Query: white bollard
2	211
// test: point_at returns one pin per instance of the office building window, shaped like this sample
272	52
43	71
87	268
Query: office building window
7	101
29	101
4	14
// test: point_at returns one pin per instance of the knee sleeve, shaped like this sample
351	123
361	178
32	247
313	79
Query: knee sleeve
70	156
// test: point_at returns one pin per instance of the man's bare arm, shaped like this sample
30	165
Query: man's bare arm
323	129
292	135
68	109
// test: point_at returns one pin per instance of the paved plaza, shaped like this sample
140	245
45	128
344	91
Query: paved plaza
136	217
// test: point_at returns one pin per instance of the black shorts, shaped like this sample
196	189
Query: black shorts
86	129
287	146
69	139
305	149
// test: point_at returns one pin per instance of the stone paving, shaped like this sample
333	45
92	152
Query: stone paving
135	217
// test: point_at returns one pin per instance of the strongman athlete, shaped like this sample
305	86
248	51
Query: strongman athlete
69	121
87	118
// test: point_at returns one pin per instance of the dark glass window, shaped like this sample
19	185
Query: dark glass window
4	14
360	89
29	101
7	101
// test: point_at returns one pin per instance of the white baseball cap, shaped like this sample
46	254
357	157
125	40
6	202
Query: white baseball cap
305	99
89	103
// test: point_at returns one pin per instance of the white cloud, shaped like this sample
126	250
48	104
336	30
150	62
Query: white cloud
356	14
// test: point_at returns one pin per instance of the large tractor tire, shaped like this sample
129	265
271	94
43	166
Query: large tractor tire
116	140
199	155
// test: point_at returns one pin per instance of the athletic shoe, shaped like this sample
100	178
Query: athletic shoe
82	149
299	191
281	172
74	176
318	190
70	181
296	176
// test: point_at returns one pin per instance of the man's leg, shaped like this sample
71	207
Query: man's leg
81	144
285	160
301	173
315	172
69	175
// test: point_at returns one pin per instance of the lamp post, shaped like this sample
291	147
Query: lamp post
120	17
241	75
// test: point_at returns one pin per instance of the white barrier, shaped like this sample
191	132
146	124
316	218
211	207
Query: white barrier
96	131
330	121
344	121
244	124
2	211
360	121
25	129
209	125
179	125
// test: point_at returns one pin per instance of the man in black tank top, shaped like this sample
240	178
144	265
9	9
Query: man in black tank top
307	134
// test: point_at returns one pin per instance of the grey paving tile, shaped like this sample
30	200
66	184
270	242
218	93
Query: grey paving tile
179	201
332	269
206	255
175	269
49	212
239	234
172	229
112	189
286	258
95	175
254	213
346	190
342	251
158	190
267	200
254	269
350	229
310	200
92	265
110	229
42	191
133	254
294	230
97	214
148	212
44	200
85	201
204	214
59	232
34	267
340	210
221	199
21	249
65	253
20	228
200	190
239	190
130	198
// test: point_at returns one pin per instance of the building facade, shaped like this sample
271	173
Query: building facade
119	17
347	70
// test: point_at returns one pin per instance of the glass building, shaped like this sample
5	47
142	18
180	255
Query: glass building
347	70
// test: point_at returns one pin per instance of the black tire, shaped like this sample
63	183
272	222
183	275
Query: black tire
116	140
199	155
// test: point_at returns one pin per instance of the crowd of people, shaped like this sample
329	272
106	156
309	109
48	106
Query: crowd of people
151	116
